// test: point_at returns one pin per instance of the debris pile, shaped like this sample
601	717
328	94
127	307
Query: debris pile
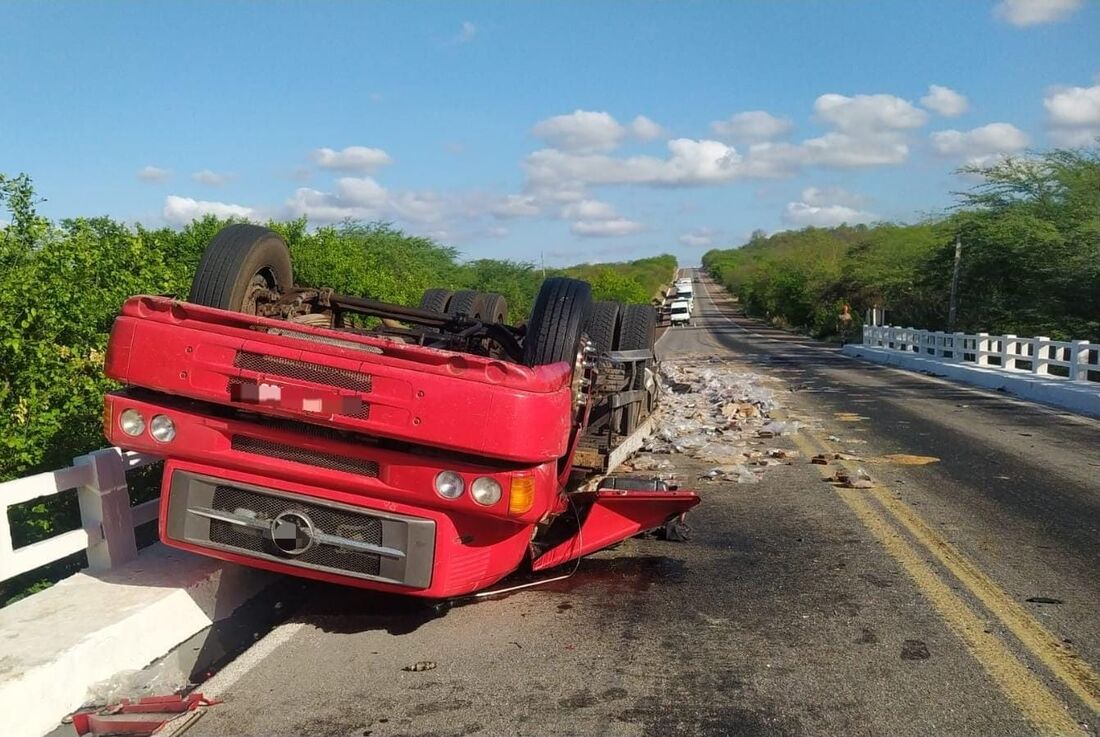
712	412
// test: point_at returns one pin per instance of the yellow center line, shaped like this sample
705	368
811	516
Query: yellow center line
1066	665
1030	695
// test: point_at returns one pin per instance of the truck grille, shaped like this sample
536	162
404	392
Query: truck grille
333	521
299	530
297	454
303	371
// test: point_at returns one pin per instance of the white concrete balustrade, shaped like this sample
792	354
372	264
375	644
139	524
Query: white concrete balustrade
1072	360
107	519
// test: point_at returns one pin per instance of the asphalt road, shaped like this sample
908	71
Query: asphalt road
798	607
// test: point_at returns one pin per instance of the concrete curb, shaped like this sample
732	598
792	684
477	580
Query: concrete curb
1079	398
89	627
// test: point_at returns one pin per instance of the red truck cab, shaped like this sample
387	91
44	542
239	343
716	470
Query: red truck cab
430	455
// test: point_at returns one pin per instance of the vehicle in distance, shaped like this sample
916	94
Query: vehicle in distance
426	451
680	313
685	292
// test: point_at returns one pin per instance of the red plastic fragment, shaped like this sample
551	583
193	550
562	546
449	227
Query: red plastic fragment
142	717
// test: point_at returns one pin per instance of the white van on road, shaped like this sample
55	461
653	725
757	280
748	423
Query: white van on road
680	312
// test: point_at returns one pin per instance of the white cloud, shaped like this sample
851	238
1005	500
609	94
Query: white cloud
645	129
581	131
826	207
981	145
689	162
515	206
586	131
868	113
825	196
589	210
497	232
596	219
845	151
1034	12
605	228
466	33
363	198
945	101
1073	114
753	126
154	174
211	178
698	238
182	210
357	159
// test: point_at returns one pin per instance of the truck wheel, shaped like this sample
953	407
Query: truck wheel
557	321
464	302
241	266
603	325
638	331
435	300
491	307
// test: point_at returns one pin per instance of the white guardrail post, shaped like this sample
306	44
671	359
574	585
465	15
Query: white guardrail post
1008	352
1040	355
1079	360
105	503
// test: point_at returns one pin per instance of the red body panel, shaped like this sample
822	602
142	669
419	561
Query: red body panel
370	385
401	477
393	416
612	515
470	552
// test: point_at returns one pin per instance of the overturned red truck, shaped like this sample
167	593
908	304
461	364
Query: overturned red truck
428	451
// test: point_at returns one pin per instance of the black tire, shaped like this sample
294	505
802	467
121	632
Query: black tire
557	321
463	302
639	328
638	331
603	325
491	307
435	300
237	258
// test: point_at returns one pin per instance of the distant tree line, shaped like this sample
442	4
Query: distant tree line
1030	233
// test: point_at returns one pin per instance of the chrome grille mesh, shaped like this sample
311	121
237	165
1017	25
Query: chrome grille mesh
360	527
303	370
297	454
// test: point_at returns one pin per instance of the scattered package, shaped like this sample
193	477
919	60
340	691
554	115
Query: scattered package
712	412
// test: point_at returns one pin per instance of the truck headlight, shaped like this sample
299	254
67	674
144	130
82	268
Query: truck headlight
131	422
449	485
485	491
162	428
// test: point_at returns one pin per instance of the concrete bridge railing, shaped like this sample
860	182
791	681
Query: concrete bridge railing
1072	360
107	519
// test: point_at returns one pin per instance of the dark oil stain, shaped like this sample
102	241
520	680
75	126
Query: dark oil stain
564	606
915	650
613	694
1044	600
867	636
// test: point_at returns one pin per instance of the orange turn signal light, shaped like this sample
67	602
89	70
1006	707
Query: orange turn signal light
521	495
108	416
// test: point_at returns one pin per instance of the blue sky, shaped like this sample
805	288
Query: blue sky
569	131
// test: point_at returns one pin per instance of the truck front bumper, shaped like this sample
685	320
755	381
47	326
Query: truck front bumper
331	536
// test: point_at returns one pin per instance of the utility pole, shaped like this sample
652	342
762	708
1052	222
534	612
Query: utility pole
951	310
